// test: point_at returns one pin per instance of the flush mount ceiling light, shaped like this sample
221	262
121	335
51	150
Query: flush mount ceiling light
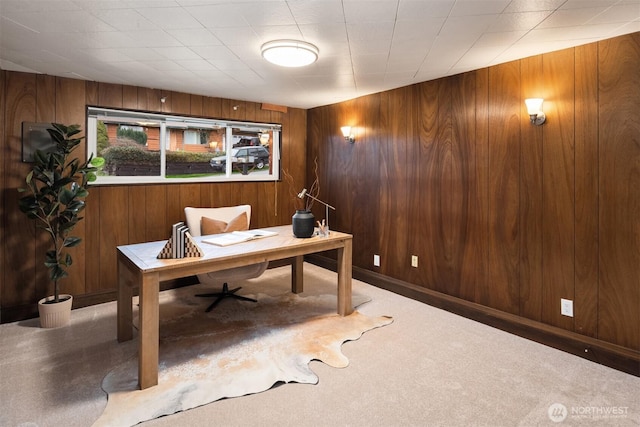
289	53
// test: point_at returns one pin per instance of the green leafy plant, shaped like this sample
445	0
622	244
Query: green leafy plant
57	187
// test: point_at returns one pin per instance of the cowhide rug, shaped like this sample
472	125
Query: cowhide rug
237	349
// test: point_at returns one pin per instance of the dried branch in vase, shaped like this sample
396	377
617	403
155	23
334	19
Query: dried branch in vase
301	202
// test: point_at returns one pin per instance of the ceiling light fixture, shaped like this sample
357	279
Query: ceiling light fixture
289	53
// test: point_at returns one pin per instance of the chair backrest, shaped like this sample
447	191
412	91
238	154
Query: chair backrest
226	214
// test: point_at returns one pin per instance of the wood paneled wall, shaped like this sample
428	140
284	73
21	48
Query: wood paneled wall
500	212
118	214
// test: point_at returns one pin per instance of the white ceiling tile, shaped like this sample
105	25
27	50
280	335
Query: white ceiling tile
195	37
170	18
261	13
314	11
417	10
212	47
517	6
506	38
11	6
370	30
214	53
60	21
617	13
124	19
218	15
151	39
518	21
356	11
234	36
176	53
409	31
478	7
570	17
582	4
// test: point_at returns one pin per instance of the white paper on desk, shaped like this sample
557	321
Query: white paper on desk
238	237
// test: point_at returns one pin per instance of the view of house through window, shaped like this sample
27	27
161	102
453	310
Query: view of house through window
142	147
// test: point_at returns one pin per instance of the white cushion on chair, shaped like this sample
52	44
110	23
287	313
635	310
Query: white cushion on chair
224	214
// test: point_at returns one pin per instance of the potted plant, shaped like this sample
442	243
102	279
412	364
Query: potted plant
56	188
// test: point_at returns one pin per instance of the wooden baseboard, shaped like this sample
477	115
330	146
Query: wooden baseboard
598	351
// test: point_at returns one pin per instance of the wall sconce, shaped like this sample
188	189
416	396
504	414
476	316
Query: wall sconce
348	136
534	108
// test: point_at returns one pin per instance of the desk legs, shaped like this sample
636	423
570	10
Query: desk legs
149	335
125	294
297	275
345	306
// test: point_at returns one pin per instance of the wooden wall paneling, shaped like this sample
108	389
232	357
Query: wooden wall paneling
46	99
451	199
180	103
344	159
558	186
69	111
386	221
158	226
110	95
3	156
212	107
149	99
316	141
414	188
136	223
426	227
619	181
196	105
174	209
19	285
114	231
371	184
294	160
92	240
129	97
466	240
504	173
443	207
92	95
531	148
189	196
481	183
394	206
586	190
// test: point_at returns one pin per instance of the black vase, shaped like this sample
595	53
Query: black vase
303	223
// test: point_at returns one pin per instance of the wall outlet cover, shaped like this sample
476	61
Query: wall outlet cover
376	260
566	307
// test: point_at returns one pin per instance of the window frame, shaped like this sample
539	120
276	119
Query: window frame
173	121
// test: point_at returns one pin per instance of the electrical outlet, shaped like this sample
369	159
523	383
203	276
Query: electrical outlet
376	260
414	260
566	307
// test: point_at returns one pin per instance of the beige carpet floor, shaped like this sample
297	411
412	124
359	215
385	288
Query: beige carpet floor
429	367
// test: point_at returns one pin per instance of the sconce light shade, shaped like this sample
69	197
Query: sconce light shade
290	53
346	132
534	109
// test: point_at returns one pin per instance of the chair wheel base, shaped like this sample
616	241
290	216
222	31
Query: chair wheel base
225	293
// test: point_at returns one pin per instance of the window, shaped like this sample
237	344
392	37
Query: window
152	148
